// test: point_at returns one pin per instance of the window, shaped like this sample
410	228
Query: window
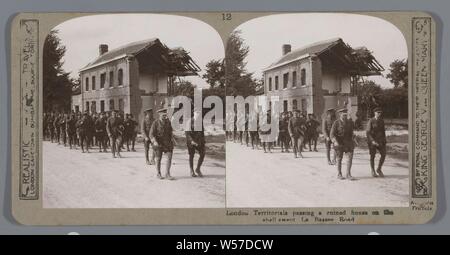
120	77
94	106
121	105
270	83
111	79
86	84
111	104
93	82
87	105
303	76
294	104
102	105
77	108
276	82
285	106
285	80
304	105
294	79
102	80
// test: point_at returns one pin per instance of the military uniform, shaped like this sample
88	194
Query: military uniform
145	127
100	133
114	128
162	139
342	136
195	141
57	130
130	133
283	135
326	130
62	129
71	130
311	130
264	134
376	140
81	126
297	127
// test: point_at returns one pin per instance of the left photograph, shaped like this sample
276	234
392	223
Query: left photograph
109	139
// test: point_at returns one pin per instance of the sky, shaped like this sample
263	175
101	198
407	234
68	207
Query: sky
265	37
82	37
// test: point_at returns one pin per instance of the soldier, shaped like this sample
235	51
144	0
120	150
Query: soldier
145	129
130	131
62	128
81	127
114	128
100	132
57	130
90	129
71	130
263	135
311	130
296	129
376	140
50	129
326	129
254	137
342	137
195	140
162	139
283	136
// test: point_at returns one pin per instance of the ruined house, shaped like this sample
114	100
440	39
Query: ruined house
133	78
319	76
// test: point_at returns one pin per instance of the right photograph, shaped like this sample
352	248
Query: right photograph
325	118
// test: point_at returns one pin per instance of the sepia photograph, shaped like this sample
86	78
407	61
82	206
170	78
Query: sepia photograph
108	88
335	89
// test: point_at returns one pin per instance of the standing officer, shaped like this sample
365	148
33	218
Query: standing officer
283	136
296	129
311	126
342	137
130	131
162	138
376	139
326	129
114	128
63	128
56	122
145	129
71	130
81	126
100	132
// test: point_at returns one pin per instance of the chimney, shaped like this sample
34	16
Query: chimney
286	49
102	49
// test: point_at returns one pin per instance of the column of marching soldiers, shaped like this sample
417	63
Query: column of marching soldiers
300	132
113	130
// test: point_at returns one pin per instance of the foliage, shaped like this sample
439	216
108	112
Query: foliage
57	89
398	73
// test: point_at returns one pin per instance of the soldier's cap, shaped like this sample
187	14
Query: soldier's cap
377	109
343	110
163	110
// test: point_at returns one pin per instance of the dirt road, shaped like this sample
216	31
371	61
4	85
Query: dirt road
257	179
95	180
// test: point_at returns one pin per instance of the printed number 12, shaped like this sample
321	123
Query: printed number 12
226	16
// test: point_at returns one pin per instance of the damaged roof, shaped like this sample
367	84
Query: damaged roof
359	61
178	57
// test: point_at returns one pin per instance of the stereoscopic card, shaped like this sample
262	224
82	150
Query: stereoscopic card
223	118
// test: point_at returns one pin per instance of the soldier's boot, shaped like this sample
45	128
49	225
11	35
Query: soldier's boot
193	173
380	165
372	166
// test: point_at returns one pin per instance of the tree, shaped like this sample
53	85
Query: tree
57	86
369	94
237	79
398	73
183	88
215	73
